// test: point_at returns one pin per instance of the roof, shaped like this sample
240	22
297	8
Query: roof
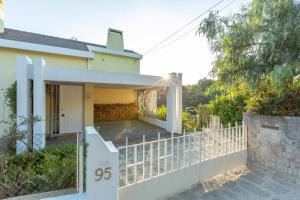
23	36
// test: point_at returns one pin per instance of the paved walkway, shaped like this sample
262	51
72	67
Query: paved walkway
255	183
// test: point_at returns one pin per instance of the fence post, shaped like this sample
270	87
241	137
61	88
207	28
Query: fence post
80	162
102	167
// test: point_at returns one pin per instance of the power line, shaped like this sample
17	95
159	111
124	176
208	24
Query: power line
181	28
190	30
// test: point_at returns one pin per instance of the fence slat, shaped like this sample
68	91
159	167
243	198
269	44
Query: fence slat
144	140
151	159
178	140
158	154
172	151
166	156
190	149
222	140
200	148
135	165
126	162
183	149
204	147
194	149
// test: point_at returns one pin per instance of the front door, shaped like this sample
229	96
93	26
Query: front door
70	108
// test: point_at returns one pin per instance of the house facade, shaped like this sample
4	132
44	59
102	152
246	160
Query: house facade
61	80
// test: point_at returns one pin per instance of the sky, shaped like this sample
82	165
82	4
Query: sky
144	23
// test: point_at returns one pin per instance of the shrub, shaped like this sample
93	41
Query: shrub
279	94
188	122
230	109
52	168
161	113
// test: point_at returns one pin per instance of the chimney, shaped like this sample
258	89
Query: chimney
1	16
114	39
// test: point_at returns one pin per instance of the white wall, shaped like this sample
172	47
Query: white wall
155	122
101	155
182	179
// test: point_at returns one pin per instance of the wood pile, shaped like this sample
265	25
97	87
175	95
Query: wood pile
115	112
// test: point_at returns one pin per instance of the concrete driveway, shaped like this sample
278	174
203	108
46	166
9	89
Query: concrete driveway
117	131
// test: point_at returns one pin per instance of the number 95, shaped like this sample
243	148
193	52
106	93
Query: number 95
100	173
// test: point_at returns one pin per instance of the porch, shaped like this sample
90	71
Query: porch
66	99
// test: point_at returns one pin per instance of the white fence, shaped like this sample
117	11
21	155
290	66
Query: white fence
154	169
146	161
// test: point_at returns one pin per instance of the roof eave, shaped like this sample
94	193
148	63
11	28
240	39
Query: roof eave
114	52
45	48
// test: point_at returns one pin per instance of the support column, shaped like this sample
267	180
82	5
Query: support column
39	104
171	103
88	105
174	103
179	103
23	101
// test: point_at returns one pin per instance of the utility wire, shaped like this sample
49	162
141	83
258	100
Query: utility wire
190	30
181	28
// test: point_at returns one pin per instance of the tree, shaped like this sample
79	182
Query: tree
193	95
258	48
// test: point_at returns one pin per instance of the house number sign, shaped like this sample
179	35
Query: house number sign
103	173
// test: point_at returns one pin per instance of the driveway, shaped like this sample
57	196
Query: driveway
254	183
117	131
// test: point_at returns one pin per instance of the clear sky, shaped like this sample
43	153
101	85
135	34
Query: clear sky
144	23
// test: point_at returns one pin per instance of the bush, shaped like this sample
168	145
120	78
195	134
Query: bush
279	93
230	109
188	122
161	113
49	169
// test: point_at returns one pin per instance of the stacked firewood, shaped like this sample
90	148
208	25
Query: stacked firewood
115	112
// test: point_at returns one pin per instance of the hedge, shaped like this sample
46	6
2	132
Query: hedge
49	169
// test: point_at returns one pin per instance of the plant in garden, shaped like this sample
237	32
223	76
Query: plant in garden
161	113
188	122
258	49
49	169
10	98
229	108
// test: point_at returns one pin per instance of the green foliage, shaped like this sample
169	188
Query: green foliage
161	113
188	122
193	95
204	114
9	139
52	168
281	97
258	47
10	98
230	109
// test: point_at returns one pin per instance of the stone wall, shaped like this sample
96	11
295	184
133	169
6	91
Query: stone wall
274	142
